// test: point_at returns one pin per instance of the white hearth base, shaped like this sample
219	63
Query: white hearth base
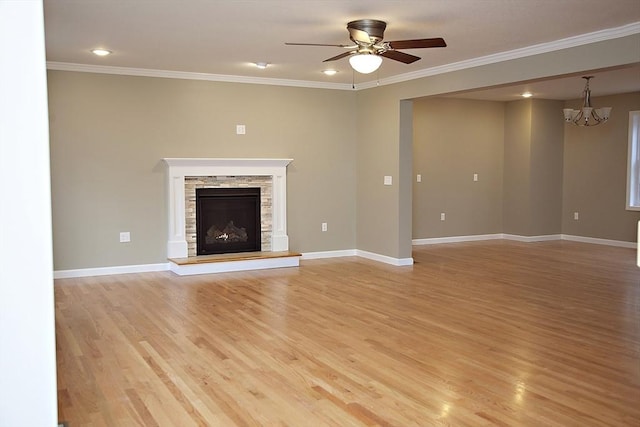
187	269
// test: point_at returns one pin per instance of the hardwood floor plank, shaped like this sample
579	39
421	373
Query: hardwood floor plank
494	333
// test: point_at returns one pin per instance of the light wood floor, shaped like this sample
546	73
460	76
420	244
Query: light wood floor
474	334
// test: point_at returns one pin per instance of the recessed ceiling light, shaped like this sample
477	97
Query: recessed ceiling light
261	65
527	95
329	72
101	52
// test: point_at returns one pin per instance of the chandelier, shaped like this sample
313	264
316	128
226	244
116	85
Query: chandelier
587	115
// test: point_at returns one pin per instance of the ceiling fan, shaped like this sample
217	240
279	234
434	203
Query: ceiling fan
365	56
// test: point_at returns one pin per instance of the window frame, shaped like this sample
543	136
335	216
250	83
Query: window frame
633	162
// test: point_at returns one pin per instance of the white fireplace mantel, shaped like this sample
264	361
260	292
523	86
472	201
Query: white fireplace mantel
179	168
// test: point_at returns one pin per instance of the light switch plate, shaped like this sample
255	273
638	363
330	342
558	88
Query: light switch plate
241	130
388	180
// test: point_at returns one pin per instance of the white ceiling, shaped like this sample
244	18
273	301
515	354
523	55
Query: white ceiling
604	82
224	37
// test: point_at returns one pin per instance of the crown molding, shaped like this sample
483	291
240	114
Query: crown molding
574	41
186	75
569	42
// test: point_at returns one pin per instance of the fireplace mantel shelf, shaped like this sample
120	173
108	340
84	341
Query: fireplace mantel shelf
232	162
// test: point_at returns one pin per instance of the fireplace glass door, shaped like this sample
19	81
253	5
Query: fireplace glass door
227	220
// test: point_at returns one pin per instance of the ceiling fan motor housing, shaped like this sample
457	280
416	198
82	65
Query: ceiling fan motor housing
367	34
373	27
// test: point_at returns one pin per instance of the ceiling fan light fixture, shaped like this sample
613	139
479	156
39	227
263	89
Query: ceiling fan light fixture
365	63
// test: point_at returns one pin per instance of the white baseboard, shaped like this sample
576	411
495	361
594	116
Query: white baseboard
597	241
355	252
385	259
526	239
145	268
223	267
105	271
531	239
329	254
456	239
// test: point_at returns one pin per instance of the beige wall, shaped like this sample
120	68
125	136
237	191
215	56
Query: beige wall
109	134
517	168
378	211
533	167
455	139
378	128
405	180
547	135
547	166
595	174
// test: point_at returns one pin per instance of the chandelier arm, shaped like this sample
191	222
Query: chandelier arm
595	115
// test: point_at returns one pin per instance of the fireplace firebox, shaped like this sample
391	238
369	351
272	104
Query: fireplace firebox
227	220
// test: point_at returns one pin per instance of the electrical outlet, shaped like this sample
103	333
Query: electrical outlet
125	236
388	180
442	216
418	178
576	216
475	177
324	226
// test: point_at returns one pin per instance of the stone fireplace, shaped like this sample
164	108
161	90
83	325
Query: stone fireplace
195	184
187	175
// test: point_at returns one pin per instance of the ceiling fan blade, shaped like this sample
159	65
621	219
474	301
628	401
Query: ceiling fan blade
400	56
418	43
335	58
359	35
322	44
